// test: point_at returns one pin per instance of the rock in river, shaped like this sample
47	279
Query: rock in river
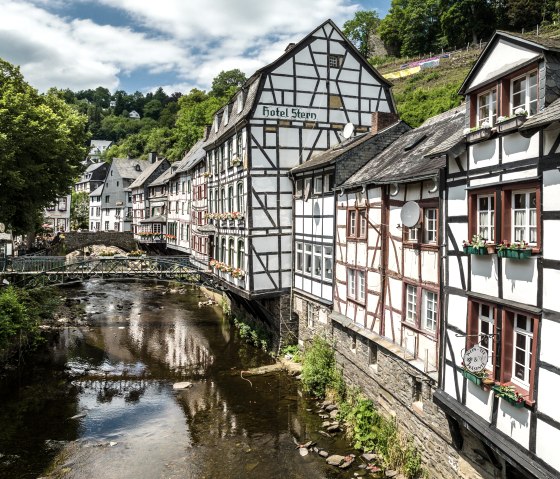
183	385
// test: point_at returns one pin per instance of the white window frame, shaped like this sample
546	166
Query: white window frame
526	227
429	310
430	228
328	270
308	259
486	230
527	333
486	322
525	96
492	107
317	185
299	257
411	303
317	261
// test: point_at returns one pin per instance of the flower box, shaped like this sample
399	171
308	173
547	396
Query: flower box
472	377
479	135
480	250
515	253
508	394
512	123
241	223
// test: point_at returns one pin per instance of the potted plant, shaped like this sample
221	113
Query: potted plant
517	250
477	245
506	123
478	133
509	393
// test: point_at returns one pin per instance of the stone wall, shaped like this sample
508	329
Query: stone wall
404	392
77	240
312	318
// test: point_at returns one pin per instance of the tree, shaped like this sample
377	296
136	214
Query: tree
360	28
79	210
464	21
223	83
42	144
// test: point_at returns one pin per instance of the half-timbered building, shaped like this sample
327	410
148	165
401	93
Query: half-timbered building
500	375
285	112
315	218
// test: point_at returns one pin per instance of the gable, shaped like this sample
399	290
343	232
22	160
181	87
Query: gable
503	57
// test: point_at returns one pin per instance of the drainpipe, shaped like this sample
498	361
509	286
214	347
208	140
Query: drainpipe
384	256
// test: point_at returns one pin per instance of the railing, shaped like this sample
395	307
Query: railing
56	270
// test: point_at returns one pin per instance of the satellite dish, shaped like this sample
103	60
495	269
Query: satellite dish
348	130
2	228
410	214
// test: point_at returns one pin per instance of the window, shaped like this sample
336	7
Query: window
318	185
486	331
372	356
335	61
317	261
421	308
241	254
239	144
357	284
524	93
357	223
308	258
430	225
487	107
62	204
231	252
411	303
309	314
240	207
107	199
299	257
485	217
522	350
299	188
329	182
524	216
328	262
230	198
429	313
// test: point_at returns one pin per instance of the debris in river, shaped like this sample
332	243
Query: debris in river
183	385
79	416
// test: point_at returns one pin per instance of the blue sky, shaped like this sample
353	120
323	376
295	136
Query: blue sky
143	44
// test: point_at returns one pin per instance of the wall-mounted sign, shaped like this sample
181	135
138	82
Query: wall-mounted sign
287	113
475	359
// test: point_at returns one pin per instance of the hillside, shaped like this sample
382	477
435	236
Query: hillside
434	90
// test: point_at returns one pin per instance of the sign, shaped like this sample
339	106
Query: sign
475	359
287	113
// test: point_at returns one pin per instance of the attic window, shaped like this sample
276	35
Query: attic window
240	102
226	115
216	123
335	61
415	142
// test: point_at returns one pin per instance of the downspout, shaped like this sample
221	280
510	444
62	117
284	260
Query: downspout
384	255
442	241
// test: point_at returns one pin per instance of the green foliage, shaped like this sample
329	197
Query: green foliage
319	367
294	351
79	210
227	83
42	143
21	313
360	28
465	21
256	337
370	431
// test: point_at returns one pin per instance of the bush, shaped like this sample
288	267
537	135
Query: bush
255	337
294	351
318	371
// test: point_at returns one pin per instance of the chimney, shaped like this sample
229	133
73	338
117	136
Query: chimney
152	156
381	120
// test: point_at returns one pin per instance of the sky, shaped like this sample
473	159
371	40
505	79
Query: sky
140	45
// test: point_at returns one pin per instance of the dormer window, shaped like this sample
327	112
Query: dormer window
226	115
216	123
486	112
240	102
524	93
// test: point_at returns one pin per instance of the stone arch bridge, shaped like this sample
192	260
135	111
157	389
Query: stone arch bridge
75	240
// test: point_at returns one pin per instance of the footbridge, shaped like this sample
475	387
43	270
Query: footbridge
54	270
78	240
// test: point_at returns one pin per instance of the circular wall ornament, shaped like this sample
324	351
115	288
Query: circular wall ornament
475	359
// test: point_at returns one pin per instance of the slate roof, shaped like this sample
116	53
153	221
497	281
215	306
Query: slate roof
164	177
126	167
544	117
143	177
545	42
97	191
193	156
374	142
97	146
411	156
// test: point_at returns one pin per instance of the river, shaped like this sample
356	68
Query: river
101	405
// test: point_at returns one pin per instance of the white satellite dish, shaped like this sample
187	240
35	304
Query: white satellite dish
348	130
2	227
410	214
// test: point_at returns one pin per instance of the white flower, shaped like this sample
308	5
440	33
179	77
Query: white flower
520	111
466	131
501	118
485	124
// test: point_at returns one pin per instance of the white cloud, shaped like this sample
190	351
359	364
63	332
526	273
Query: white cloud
190	41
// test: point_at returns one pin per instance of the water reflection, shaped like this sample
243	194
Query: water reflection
128	422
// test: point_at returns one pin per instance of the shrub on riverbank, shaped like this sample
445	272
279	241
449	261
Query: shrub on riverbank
256	337
365	427
21	313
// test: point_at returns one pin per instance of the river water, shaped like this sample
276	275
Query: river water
102	404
